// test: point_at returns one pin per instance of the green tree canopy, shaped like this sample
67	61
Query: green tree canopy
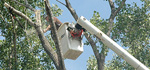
131	30
28	50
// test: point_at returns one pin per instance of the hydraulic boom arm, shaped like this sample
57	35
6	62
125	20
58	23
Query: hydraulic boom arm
111	44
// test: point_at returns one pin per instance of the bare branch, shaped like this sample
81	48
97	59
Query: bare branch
112	6
19	13
60	63
113	15
113	11
38	17
47	47
61	2
72	11
96	52
119	8
26	5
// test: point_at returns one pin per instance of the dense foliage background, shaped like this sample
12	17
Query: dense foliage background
22	49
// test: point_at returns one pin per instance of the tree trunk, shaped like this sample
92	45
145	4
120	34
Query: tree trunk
56	39
47	47
102	61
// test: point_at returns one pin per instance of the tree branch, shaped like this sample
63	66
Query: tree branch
19	13
38	17
112	6
47	47
55	36
26	5
113	14
72	11
96	52
111	19
61	2
119	8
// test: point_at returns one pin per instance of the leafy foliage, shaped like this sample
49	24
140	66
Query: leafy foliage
131	30
29	51
92	63
102	25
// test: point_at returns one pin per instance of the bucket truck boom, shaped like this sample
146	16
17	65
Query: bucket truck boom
111	44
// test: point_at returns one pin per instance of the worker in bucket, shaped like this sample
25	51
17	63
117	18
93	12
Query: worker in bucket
56	21
75	32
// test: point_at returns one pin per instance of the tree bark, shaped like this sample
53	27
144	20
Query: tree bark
72	11
96	52
55	36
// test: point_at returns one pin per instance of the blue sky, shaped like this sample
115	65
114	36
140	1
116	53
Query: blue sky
84	8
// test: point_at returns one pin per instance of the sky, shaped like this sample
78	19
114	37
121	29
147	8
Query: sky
84	8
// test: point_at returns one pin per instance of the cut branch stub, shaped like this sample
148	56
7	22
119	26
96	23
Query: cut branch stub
38	17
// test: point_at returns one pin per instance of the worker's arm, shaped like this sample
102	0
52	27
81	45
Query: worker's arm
45	30
56	21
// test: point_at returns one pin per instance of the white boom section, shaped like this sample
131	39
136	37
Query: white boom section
111	44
